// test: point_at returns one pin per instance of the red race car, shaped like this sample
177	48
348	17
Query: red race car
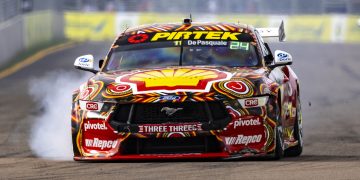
188	90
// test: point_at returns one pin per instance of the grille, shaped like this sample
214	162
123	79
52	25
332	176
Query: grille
200	144
153	113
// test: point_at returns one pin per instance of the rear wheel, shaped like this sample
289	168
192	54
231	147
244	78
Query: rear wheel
298	133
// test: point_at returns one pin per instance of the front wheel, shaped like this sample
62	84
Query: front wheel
279	149
279	141
298	133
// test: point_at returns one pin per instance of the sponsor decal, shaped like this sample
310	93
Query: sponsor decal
94	126
243	140
97	143
92	106
138	38
85	63
206	43
251	102
195	35
169	128
169	98
247	122
173	80
84	60
283	57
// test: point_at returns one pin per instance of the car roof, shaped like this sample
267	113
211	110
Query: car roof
194	26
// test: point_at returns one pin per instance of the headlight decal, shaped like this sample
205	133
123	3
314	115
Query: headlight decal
236	87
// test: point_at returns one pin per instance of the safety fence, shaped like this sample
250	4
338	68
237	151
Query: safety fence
33	29
305	28
23	32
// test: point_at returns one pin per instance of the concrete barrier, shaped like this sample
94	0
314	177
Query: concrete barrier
26	31
93	26
11	39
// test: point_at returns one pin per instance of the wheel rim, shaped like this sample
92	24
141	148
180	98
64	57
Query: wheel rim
299	122
279	129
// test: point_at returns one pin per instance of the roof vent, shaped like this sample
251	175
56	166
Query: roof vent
187	21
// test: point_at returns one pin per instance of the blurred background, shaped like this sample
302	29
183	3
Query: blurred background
34	24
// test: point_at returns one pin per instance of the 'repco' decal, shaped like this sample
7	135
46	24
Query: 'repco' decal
173	80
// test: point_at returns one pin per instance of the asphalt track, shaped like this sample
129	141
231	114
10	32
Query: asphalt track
330	82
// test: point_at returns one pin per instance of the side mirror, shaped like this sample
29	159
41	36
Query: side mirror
86	63
282	58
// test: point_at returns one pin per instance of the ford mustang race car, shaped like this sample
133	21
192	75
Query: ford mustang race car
188	90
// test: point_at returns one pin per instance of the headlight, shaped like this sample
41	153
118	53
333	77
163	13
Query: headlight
253	101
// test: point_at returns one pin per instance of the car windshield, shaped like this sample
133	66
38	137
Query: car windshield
183	53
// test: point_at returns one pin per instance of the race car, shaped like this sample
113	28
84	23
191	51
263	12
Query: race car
188	90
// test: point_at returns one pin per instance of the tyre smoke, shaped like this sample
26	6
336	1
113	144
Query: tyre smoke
50	135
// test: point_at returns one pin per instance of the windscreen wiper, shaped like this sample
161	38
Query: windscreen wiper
181	50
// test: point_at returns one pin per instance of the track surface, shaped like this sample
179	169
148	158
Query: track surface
330	81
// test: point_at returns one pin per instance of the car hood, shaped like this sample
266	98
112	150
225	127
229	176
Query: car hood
176	83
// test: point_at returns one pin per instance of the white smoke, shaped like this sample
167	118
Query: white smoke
50	136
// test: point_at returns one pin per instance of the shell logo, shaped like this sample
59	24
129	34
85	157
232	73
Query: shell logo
173	80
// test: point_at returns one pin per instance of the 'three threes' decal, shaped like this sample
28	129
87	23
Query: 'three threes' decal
173	80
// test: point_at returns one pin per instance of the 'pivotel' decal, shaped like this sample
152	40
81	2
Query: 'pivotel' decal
247	122
94	126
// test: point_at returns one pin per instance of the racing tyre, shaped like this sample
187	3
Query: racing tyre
298	133
279	149
279	142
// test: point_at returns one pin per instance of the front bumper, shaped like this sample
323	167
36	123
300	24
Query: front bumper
98	141
248	132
